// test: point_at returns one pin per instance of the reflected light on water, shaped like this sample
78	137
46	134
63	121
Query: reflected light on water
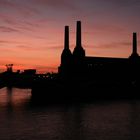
14	96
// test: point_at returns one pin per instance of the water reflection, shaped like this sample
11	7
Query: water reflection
14	97
20	118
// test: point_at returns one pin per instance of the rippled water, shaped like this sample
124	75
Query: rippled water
21	119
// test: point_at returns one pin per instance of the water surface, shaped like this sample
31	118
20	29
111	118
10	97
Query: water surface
23	119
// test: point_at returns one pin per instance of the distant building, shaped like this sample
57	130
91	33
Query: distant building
29	71
77	63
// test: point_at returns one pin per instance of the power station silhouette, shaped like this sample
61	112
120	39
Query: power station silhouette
81	76
77	63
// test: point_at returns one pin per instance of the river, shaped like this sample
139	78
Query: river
23	119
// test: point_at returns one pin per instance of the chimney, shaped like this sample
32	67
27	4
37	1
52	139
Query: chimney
78	34
66	38
134	43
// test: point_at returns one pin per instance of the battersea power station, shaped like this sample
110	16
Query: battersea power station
76	63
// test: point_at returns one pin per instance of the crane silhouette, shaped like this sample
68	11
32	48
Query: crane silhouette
9	67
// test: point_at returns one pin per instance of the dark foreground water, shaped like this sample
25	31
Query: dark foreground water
22	119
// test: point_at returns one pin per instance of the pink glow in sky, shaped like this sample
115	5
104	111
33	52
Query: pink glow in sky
31	31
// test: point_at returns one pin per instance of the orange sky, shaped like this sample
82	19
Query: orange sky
31	31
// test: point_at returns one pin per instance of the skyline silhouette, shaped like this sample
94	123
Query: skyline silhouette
89	77
79	52
82	73
31	32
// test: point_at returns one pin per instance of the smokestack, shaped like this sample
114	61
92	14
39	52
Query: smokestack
134	43
66	38
78	34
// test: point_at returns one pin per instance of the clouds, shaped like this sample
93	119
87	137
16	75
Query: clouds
10	42
7	29
18	7
56	4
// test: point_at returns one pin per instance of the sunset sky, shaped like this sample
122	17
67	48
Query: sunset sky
31	31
